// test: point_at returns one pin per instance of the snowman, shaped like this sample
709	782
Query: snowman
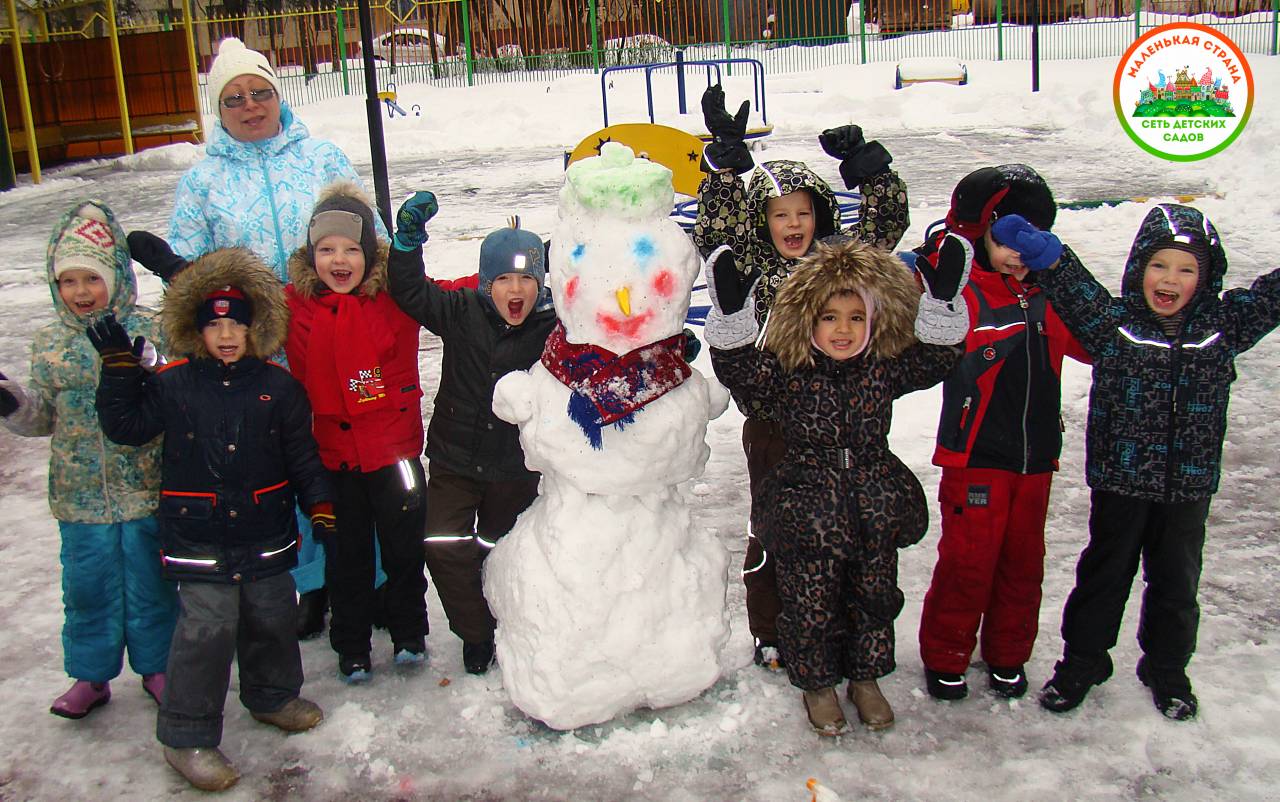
607	599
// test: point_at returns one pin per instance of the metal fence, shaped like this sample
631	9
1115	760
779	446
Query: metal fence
465	42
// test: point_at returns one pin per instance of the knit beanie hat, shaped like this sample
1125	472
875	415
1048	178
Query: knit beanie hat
87	244
224	302
1028	195
991	192
1195	246
511	250
346	216
234	59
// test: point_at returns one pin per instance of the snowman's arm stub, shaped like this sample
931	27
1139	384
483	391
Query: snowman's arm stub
513	397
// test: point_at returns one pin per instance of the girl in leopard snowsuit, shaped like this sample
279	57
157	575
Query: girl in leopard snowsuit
839	349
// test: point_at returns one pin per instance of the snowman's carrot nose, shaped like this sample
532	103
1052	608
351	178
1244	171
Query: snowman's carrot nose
624	300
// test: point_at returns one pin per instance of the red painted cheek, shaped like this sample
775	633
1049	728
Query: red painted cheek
664	283
571	289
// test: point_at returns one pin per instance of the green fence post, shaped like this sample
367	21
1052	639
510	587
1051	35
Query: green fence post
165	25
725	20
467	43
999	30
1275	26
342	49
862	30
1137	19
595	36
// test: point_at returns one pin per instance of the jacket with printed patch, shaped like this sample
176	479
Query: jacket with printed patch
256	195
91	479
1001	403
238	450
1158	405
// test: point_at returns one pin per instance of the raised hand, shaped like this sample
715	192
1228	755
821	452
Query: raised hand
947	278
728	149
111	341
1038	250
411	220
154	254
859	159
730	288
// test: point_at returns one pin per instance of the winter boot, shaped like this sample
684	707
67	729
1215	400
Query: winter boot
873	709
825	714
154	684
312	606
297	715
1170	690
409	652
767	656
1072	678
1011	683
354	669
945	685
477	657
205	767
81	699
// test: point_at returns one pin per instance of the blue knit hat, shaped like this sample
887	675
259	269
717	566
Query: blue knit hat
512	250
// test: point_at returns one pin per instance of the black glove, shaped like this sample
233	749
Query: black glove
973	201
859	159
111	341
9	402
154	254
692	345
324	528
1036	249
730	288
411	220
944	280
728	148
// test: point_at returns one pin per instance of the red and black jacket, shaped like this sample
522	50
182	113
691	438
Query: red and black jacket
1001	403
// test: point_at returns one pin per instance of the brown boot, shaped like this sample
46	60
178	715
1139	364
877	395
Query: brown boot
873	708
298	715
823	707
205	767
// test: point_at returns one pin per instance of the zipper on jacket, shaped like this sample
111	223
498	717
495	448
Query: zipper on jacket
1026	347
964	412
1175	351
282	258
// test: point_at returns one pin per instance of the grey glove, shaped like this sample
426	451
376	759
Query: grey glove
945	320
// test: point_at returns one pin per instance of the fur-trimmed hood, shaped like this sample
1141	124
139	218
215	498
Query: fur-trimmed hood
843	265
303	276
235	267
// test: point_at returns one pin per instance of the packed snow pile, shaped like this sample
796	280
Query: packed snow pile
606	598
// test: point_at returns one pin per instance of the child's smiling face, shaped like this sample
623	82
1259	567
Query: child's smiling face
83	291
791	223
339	263
1169	280
841	329
226	339
1004	259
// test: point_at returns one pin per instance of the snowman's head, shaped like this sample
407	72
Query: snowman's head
621	269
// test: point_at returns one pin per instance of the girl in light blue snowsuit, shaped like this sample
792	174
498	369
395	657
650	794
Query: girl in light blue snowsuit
103	495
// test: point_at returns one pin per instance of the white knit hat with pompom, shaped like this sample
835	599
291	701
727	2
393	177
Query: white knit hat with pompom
234	59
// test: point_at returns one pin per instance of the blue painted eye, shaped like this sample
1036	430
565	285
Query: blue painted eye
578	251
643	251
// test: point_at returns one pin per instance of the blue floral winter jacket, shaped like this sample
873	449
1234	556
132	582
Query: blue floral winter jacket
256	195
1158	406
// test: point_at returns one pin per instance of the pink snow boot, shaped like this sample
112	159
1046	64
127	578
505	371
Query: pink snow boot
153	684
81	699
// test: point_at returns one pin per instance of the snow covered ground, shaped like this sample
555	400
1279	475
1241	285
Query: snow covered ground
441	734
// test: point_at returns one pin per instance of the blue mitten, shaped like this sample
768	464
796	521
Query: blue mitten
1037	249
411	220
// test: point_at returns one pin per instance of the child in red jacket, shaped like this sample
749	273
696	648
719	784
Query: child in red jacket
357	355
998	442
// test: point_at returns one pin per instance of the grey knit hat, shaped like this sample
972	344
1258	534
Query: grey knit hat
343	212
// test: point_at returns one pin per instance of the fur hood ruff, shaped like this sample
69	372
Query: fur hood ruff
235	267
843	266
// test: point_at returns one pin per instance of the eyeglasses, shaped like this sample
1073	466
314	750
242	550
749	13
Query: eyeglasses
258	95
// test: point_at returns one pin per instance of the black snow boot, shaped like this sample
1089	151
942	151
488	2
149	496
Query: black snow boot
1072	678
945	685
1011	683
1170	690
477	657
312	606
